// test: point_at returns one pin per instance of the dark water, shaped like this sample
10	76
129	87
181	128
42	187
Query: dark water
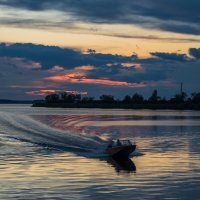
59	154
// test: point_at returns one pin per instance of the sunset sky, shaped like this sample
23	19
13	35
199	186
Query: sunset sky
98	47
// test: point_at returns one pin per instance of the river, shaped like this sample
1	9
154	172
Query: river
55	153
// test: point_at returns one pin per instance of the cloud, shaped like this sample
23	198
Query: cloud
81	79
176	16
93	66
51	56
47	56
170	56
148	37
47	92
195	52
41	92
1	75
18	77
28	70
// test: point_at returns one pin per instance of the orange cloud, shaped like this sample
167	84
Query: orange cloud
46	92
85	68
80	78
56	68
135	65
41	92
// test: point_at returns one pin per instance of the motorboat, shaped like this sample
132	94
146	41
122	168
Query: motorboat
120	148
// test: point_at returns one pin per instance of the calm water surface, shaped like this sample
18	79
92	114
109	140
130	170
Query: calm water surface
58	154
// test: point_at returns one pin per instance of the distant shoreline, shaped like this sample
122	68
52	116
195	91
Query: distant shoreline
67	100
7	101
161	106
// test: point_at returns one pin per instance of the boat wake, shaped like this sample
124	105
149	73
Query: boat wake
26	129
69	133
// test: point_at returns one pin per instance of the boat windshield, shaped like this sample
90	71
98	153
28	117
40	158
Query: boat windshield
125	142
119	143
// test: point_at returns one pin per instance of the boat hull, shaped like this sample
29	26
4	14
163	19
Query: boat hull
121	152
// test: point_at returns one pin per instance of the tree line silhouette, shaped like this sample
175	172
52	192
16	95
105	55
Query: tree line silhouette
178	101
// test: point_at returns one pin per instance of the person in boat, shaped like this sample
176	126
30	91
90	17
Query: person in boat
111	144
120	148
118	143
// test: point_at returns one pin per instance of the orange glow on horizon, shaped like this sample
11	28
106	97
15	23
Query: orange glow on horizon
41	92
46	92
80	78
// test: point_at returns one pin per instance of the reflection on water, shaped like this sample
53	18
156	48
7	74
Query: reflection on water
123	164
168	142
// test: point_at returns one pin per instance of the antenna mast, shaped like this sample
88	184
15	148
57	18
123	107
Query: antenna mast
181	88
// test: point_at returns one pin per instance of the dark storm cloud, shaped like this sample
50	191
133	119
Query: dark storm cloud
50	56
179	16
